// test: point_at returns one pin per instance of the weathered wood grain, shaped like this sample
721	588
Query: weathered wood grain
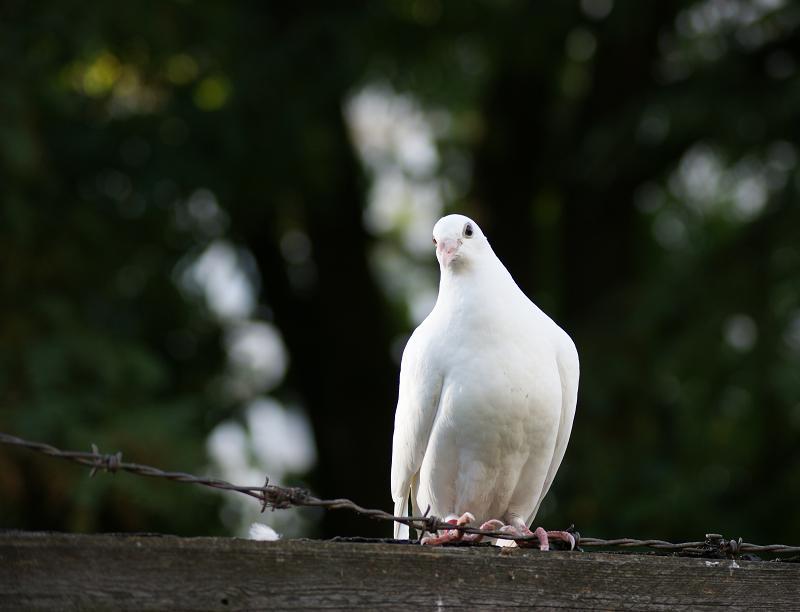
122	572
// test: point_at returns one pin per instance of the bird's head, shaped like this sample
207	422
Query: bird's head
457	239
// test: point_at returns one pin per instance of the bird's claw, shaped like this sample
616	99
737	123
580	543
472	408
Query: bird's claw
519	534
543	537
563	536
451	535
490	525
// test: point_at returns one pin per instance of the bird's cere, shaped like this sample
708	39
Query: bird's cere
446	250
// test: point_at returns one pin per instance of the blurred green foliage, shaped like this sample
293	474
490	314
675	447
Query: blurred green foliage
634	165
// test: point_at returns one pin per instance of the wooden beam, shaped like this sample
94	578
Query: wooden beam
133	572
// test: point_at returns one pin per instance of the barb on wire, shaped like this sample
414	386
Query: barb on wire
278	497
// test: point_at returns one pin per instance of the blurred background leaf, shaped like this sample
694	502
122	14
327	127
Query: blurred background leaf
215	239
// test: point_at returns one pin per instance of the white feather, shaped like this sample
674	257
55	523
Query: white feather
262	532
488	389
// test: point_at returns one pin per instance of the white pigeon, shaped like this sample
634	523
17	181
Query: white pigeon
488	388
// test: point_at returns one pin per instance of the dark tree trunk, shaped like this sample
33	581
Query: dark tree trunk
544	204
336	324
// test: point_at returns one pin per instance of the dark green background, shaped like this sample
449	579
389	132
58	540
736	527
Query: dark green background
572	153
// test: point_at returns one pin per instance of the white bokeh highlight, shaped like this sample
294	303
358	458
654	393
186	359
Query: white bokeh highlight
269	439
396	139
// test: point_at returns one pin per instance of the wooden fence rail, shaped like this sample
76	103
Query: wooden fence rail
46	571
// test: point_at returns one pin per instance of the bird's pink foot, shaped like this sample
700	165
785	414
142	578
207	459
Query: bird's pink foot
451	535
523	531
544	540
562	536
491	525
542	536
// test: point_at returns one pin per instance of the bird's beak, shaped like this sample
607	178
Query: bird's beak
446	250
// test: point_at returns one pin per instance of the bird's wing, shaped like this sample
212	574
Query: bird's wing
417	403
569	371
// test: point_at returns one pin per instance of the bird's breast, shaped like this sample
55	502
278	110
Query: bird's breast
513	387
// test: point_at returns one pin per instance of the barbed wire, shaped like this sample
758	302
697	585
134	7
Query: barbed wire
279	497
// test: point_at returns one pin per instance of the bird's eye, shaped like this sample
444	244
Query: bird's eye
468	231
434	241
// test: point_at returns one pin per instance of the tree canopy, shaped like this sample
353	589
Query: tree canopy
212	209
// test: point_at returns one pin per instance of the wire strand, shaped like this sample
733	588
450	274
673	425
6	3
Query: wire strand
278	497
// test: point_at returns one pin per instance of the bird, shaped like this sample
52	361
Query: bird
486	401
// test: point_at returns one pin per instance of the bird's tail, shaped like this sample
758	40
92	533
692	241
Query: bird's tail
401	509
